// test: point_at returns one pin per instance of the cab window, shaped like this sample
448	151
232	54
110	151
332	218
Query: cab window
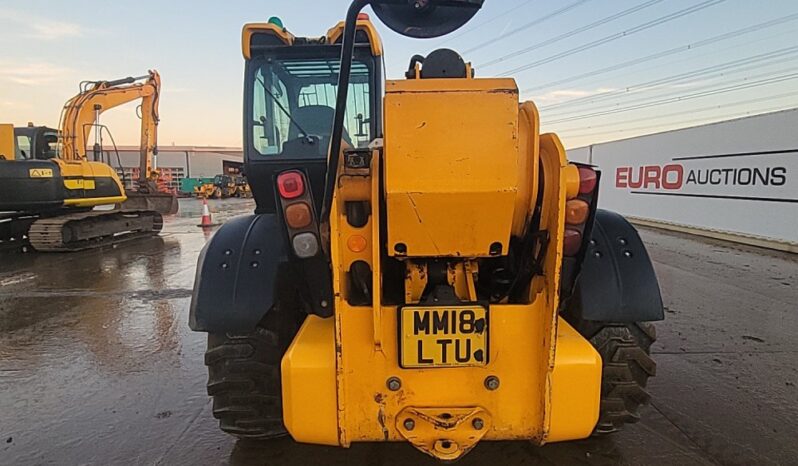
294	105
23	148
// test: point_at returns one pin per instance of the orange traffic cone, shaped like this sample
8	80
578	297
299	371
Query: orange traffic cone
207	222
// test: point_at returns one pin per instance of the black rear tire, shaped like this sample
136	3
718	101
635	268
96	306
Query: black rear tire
626	367
244	376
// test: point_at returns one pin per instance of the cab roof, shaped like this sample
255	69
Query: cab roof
262	35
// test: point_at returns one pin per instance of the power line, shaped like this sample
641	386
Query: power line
762	82
484	23
573	32
547	17
616	36
655	56
680	124
737	66
646	100
668	115
704	57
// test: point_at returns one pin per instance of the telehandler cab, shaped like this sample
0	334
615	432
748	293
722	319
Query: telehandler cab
422	264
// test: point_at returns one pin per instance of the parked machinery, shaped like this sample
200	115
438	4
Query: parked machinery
222	187
440	276
49	184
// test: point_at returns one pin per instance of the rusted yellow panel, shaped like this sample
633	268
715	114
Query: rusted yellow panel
372	409
552	157
548	376
451	150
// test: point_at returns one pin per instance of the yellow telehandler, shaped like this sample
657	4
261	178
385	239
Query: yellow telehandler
423	265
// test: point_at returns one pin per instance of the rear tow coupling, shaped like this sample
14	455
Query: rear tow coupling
443	433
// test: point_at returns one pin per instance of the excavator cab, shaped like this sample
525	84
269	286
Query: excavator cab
35	143
440	277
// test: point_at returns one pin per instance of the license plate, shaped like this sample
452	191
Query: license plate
445	336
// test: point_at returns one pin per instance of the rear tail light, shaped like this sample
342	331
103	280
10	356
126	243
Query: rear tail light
576	211
305	245
298	215
587	180
290	184
300	221
572	242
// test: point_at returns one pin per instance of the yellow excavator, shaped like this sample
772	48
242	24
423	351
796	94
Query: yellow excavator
49	186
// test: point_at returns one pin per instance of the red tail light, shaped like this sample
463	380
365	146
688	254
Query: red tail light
290	184
572	241
587	180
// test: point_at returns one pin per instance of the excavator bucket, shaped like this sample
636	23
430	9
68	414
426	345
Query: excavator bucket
163	203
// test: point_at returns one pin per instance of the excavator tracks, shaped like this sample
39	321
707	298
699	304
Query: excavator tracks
14	231
93	229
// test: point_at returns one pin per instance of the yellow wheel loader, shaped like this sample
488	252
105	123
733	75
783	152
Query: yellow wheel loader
222	187
423	265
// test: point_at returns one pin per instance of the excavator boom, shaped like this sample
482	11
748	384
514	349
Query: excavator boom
82	112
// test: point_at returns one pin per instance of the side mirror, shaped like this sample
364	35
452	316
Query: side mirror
424	19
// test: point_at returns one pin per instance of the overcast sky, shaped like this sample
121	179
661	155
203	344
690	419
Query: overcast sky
688	65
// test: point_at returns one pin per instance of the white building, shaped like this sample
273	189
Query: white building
736	179
177	162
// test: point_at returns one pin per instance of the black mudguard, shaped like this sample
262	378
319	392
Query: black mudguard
617	281
236	281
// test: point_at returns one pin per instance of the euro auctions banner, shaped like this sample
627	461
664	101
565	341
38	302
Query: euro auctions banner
739	176
721	176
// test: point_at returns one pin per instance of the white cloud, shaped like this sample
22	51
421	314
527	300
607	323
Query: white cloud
560	95
37	27
32	74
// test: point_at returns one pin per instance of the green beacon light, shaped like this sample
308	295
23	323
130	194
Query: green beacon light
277	22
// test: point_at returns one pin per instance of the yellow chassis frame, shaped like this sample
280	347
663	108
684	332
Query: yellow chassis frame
341	378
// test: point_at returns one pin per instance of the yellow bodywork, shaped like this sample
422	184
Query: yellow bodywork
7	143
83	175
450	171
252	29
461	160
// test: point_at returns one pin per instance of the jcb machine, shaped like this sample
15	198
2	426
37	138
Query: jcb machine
49	184
223	186
440	276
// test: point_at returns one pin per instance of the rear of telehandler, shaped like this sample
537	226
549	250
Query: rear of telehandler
440	275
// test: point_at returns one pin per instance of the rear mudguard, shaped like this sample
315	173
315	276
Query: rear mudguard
617	281
237	273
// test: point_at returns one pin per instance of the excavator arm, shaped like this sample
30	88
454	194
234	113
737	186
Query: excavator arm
82	112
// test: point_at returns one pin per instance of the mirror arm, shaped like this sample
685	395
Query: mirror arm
347	53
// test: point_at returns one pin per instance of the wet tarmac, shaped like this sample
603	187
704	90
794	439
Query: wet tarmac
98	366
